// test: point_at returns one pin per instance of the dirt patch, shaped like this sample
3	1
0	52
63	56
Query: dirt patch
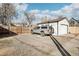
70	42
5	43
27	45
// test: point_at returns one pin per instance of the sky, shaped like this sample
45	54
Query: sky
45	6
49	10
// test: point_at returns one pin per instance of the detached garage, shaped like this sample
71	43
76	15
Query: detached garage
60	25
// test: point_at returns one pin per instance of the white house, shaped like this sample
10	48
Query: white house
60	25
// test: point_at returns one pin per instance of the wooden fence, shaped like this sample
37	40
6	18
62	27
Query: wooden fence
14	29
74	30
20	30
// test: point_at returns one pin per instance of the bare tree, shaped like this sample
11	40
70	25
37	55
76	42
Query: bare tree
7	11
44	19
30	18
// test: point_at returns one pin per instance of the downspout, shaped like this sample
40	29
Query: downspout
57	29
67	29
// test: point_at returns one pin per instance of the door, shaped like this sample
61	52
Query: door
63	29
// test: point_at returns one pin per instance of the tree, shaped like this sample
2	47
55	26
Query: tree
7	11
30	18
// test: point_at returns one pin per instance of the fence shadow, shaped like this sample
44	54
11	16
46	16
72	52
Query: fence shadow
6	33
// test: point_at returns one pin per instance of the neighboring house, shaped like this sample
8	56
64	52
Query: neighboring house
74	26
73	22
60	25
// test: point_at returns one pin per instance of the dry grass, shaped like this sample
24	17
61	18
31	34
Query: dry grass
70	42
30	45
5	43
37	45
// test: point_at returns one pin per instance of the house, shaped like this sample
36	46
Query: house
73	22
60	25
74	26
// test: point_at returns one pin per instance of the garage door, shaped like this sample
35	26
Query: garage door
63	29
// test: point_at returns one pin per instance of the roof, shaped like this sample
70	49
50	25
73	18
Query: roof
74	22
53	21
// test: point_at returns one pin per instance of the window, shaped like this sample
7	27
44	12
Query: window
44	27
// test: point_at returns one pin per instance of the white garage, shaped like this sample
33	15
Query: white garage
63	29
60	25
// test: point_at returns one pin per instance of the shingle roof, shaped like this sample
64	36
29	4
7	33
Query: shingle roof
76	20
53	21
73	22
